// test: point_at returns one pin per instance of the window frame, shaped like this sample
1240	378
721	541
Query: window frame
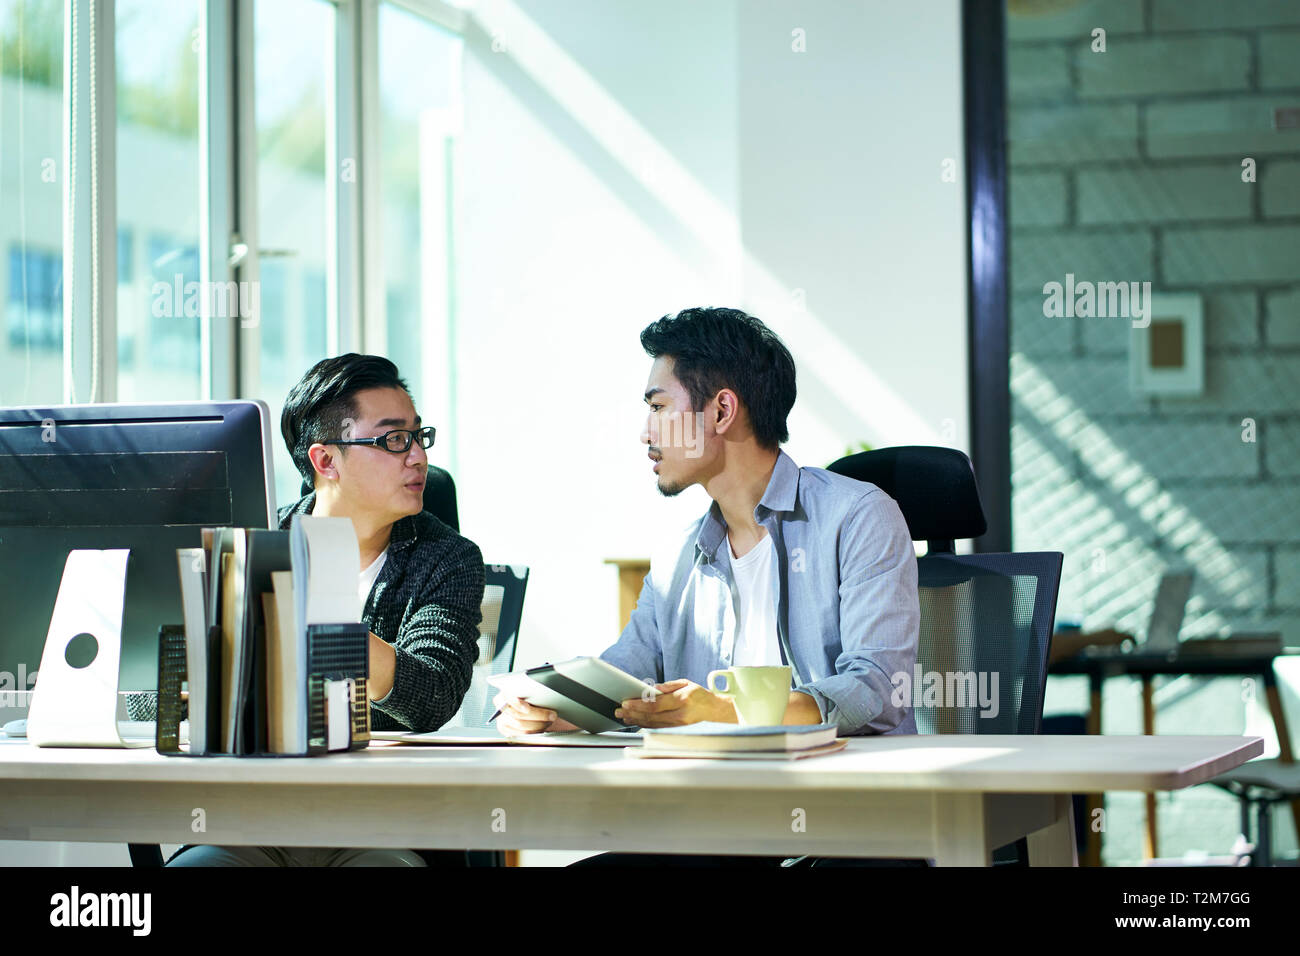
228	236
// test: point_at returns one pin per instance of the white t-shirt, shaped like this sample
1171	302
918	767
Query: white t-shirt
367	577
756	639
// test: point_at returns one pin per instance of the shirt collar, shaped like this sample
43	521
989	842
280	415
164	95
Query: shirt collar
402	535
780	496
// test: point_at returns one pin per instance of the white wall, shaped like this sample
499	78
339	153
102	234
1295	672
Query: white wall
854	244
622	160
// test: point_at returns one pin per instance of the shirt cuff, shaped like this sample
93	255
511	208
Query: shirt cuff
824	703
389	695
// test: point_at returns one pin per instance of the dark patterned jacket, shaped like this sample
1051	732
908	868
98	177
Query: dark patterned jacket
426	602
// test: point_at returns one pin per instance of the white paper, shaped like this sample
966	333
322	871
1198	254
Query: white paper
332	566
338	713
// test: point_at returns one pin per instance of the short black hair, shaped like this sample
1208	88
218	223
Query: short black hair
715	348
317	406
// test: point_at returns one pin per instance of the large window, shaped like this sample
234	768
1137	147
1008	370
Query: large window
419	69
270	143
31	214
158	50
294	54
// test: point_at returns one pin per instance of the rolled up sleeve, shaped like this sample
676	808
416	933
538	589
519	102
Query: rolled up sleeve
879	618
437	644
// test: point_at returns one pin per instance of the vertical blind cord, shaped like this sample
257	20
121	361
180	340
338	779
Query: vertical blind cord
69	252
22	201
96	293
73	176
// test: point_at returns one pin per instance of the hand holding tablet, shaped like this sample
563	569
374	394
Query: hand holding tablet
583	693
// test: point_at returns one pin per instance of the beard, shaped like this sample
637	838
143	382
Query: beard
668	489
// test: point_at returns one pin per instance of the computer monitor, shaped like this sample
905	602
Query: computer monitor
148	477
1168	610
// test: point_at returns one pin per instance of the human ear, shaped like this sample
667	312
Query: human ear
323	460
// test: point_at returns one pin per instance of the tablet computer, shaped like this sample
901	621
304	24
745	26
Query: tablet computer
584	691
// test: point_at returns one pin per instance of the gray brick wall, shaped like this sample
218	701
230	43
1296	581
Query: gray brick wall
1142	66
1283	326
1152	194
1126	166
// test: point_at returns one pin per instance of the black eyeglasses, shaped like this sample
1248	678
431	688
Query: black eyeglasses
396	441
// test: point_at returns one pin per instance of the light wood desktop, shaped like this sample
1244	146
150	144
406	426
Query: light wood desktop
951	798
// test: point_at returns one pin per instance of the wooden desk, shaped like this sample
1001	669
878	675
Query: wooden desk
952	798
1100	663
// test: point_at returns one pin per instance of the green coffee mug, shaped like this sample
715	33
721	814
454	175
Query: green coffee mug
759	693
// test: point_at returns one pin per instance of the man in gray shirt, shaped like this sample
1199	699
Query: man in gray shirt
844	580
790	565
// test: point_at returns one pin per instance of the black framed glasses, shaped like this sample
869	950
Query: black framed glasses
397	441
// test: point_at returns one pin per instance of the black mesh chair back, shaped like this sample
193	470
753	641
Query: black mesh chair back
934	487
986	628
986	619
503	608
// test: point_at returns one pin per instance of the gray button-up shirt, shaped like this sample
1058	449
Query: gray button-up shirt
849	607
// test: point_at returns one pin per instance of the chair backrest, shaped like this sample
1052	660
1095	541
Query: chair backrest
439	496
935	489
986	619
986	629
503	608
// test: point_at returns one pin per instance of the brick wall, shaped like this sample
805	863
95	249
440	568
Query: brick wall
1125	165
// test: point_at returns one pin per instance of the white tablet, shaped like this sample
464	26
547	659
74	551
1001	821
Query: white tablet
584	691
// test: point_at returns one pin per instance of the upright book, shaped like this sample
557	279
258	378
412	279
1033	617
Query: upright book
268	553
198	652
326	618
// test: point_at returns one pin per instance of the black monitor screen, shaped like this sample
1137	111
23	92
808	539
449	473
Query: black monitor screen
144	477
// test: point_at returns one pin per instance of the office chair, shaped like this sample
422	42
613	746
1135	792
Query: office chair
1261	784
502	608
986	614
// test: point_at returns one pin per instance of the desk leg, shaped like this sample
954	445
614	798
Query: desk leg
1095	801
1151	850
959	830
1284	752
1054	845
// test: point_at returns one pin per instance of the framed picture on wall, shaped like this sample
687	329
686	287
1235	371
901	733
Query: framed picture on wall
1167	355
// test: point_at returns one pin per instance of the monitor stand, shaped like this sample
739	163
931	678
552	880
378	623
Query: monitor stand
74	703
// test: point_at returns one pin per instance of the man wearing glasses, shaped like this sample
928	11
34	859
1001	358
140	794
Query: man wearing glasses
354	435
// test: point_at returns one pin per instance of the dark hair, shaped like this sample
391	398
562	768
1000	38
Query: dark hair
317	406
713	349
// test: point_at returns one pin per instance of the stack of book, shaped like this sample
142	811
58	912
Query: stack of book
249	598
736	742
